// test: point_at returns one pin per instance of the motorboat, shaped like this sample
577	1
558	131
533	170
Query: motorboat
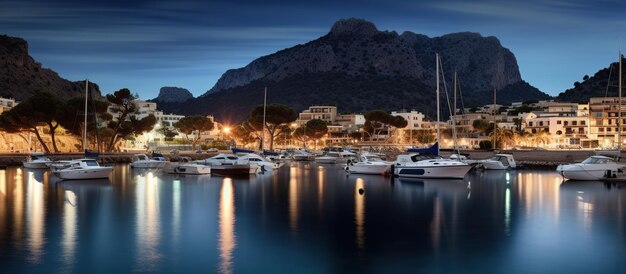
264	163
229	164
410	165
82	169
37	160
368	163
186	166
594	168
143	161
499	162
302	155
335	156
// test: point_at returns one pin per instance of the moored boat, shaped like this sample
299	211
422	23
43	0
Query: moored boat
594	168
37	160
83	169
143	161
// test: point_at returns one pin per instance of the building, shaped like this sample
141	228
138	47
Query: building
6	104
415	119
327	114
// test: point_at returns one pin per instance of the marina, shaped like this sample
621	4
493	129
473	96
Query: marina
315	218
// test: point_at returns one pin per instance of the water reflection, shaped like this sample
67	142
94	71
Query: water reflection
359	212
70	228
227	240
35	224
147	222
293	198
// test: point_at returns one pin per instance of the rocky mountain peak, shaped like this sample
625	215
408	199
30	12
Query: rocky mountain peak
353	26
173	94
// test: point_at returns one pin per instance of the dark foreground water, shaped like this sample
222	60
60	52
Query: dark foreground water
307	218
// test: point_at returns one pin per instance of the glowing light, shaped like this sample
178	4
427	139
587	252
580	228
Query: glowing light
148	223
226	130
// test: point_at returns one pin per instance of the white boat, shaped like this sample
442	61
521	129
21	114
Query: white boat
143	161
264	163
186	166
302	155
37	160
412	167
82	169
594	168
229	164
368	163
499	162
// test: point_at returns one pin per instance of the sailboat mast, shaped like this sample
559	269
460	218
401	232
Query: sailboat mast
437	125
263	133
619	112
85	130
454	115
495	122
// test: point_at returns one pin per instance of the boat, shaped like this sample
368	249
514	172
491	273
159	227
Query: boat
229	164
594	168
83	169
186	166
264	163
414	165
86	168
335	156
499	161
368	163
37	160
143	161
302	155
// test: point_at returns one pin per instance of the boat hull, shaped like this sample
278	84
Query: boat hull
84	174
493	165
189	169
234	169
149	164
581	172
36	165
326	160
368	169
432	172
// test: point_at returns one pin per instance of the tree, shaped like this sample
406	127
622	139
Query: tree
167	132
23	118
277	119
244	134
377	121
71	117
504	137
315	129
422	136
481	125
299	134
194	124
124	117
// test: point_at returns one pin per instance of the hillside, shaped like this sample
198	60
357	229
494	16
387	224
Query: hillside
594	86
359	68
21	76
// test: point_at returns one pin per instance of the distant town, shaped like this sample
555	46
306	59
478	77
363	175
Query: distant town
522	125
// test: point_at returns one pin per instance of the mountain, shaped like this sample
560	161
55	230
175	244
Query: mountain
21	76
173	94
594	86
359	68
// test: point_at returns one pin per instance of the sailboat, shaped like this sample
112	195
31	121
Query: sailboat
411	165
85	168
598	167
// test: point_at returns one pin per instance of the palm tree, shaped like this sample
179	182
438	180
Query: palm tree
504	136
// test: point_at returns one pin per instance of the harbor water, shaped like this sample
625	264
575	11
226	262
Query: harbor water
310	218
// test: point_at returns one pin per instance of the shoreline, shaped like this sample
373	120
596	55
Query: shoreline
525	158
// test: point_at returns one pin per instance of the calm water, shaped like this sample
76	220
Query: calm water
309	218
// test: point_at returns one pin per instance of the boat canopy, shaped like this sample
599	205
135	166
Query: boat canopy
241	150
433	150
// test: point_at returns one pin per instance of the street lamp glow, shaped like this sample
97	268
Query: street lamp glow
226	130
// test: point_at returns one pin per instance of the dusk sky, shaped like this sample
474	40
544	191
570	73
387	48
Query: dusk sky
144	45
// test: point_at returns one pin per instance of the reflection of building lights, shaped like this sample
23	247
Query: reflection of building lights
227	241
508	178
359	212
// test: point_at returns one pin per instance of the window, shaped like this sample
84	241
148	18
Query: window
574	123
558	122
582	123
565	123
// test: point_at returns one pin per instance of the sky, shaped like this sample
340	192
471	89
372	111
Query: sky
144	45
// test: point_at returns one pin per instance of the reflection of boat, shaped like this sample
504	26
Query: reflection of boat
84	169
37	160
186	166
368	164
143	161
591	169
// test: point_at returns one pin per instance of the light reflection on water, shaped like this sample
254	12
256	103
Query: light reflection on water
310	218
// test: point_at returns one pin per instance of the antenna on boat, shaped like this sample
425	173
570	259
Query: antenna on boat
263	132
495	122
619	112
